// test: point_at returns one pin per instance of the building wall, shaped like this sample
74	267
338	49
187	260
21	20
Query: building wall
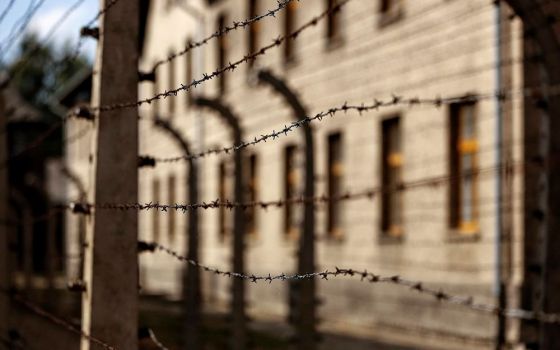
436	48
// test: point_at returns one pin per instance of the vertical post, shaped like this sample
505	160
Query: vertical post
541	290
4	237
499	285
191	282
239	321
306	319
110	302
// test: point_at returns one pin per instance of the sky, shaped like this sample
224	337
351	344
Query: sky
49	13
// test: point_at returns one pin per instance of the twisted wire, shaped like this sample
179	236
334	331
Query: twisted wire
376	105
36	309
370	193
228	67
365	276
281	4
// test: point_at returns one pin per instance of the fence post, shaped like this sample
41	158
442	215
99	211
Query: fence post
4	229
542	189
306	321
110	302
191	278
239	321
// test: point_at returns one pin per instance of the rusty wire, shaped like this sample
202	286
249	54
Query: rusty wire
438	294
369	193
39	311
361	108
228	67
281	4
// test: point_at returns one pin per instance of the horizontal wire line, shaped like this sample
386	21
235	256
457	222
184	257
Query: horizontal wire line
85	208
377	104
229	67
223	31
440	295
39	311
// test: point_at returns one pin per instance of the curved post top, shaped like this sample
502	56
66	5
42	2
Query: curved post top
173	132
266	76
224	111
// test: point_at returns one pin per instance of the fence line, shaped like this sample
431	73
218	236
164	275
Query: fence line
229	67
225	30
39	311
440	295
377	104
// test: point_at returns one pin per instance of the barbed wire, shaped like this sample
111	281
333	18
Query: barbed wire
418	286
39	311
228	67
370	193
376	105
281	4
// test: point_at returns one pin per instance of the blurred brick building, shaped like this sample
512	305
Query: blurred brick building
444	234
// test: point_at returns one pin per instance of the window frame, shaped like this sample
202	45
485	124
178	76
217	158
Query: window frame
335	180
333	32
222	48
189	71
171	106
290	19
252	188
391	166
390	11
171	213
291	227
254	30
459	147
156	193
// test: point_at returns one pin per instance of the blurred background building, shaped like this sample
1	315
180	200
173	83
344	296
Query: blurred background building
426	221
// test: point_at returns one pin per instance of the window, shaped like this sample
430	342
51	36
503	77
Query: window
155	91
188	71
391	177
291	227
222	53
223	213
253	30
390	11
171	85
155	213
172	189
334	178
463	147
333	22
252	191
289	21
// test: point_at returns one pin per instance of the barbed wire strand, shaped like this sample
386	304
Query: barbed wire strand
370	193
281	4
39	311
420	287
376	105
228	67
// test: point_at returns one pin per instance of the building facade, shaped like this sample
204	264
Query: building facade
429	220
